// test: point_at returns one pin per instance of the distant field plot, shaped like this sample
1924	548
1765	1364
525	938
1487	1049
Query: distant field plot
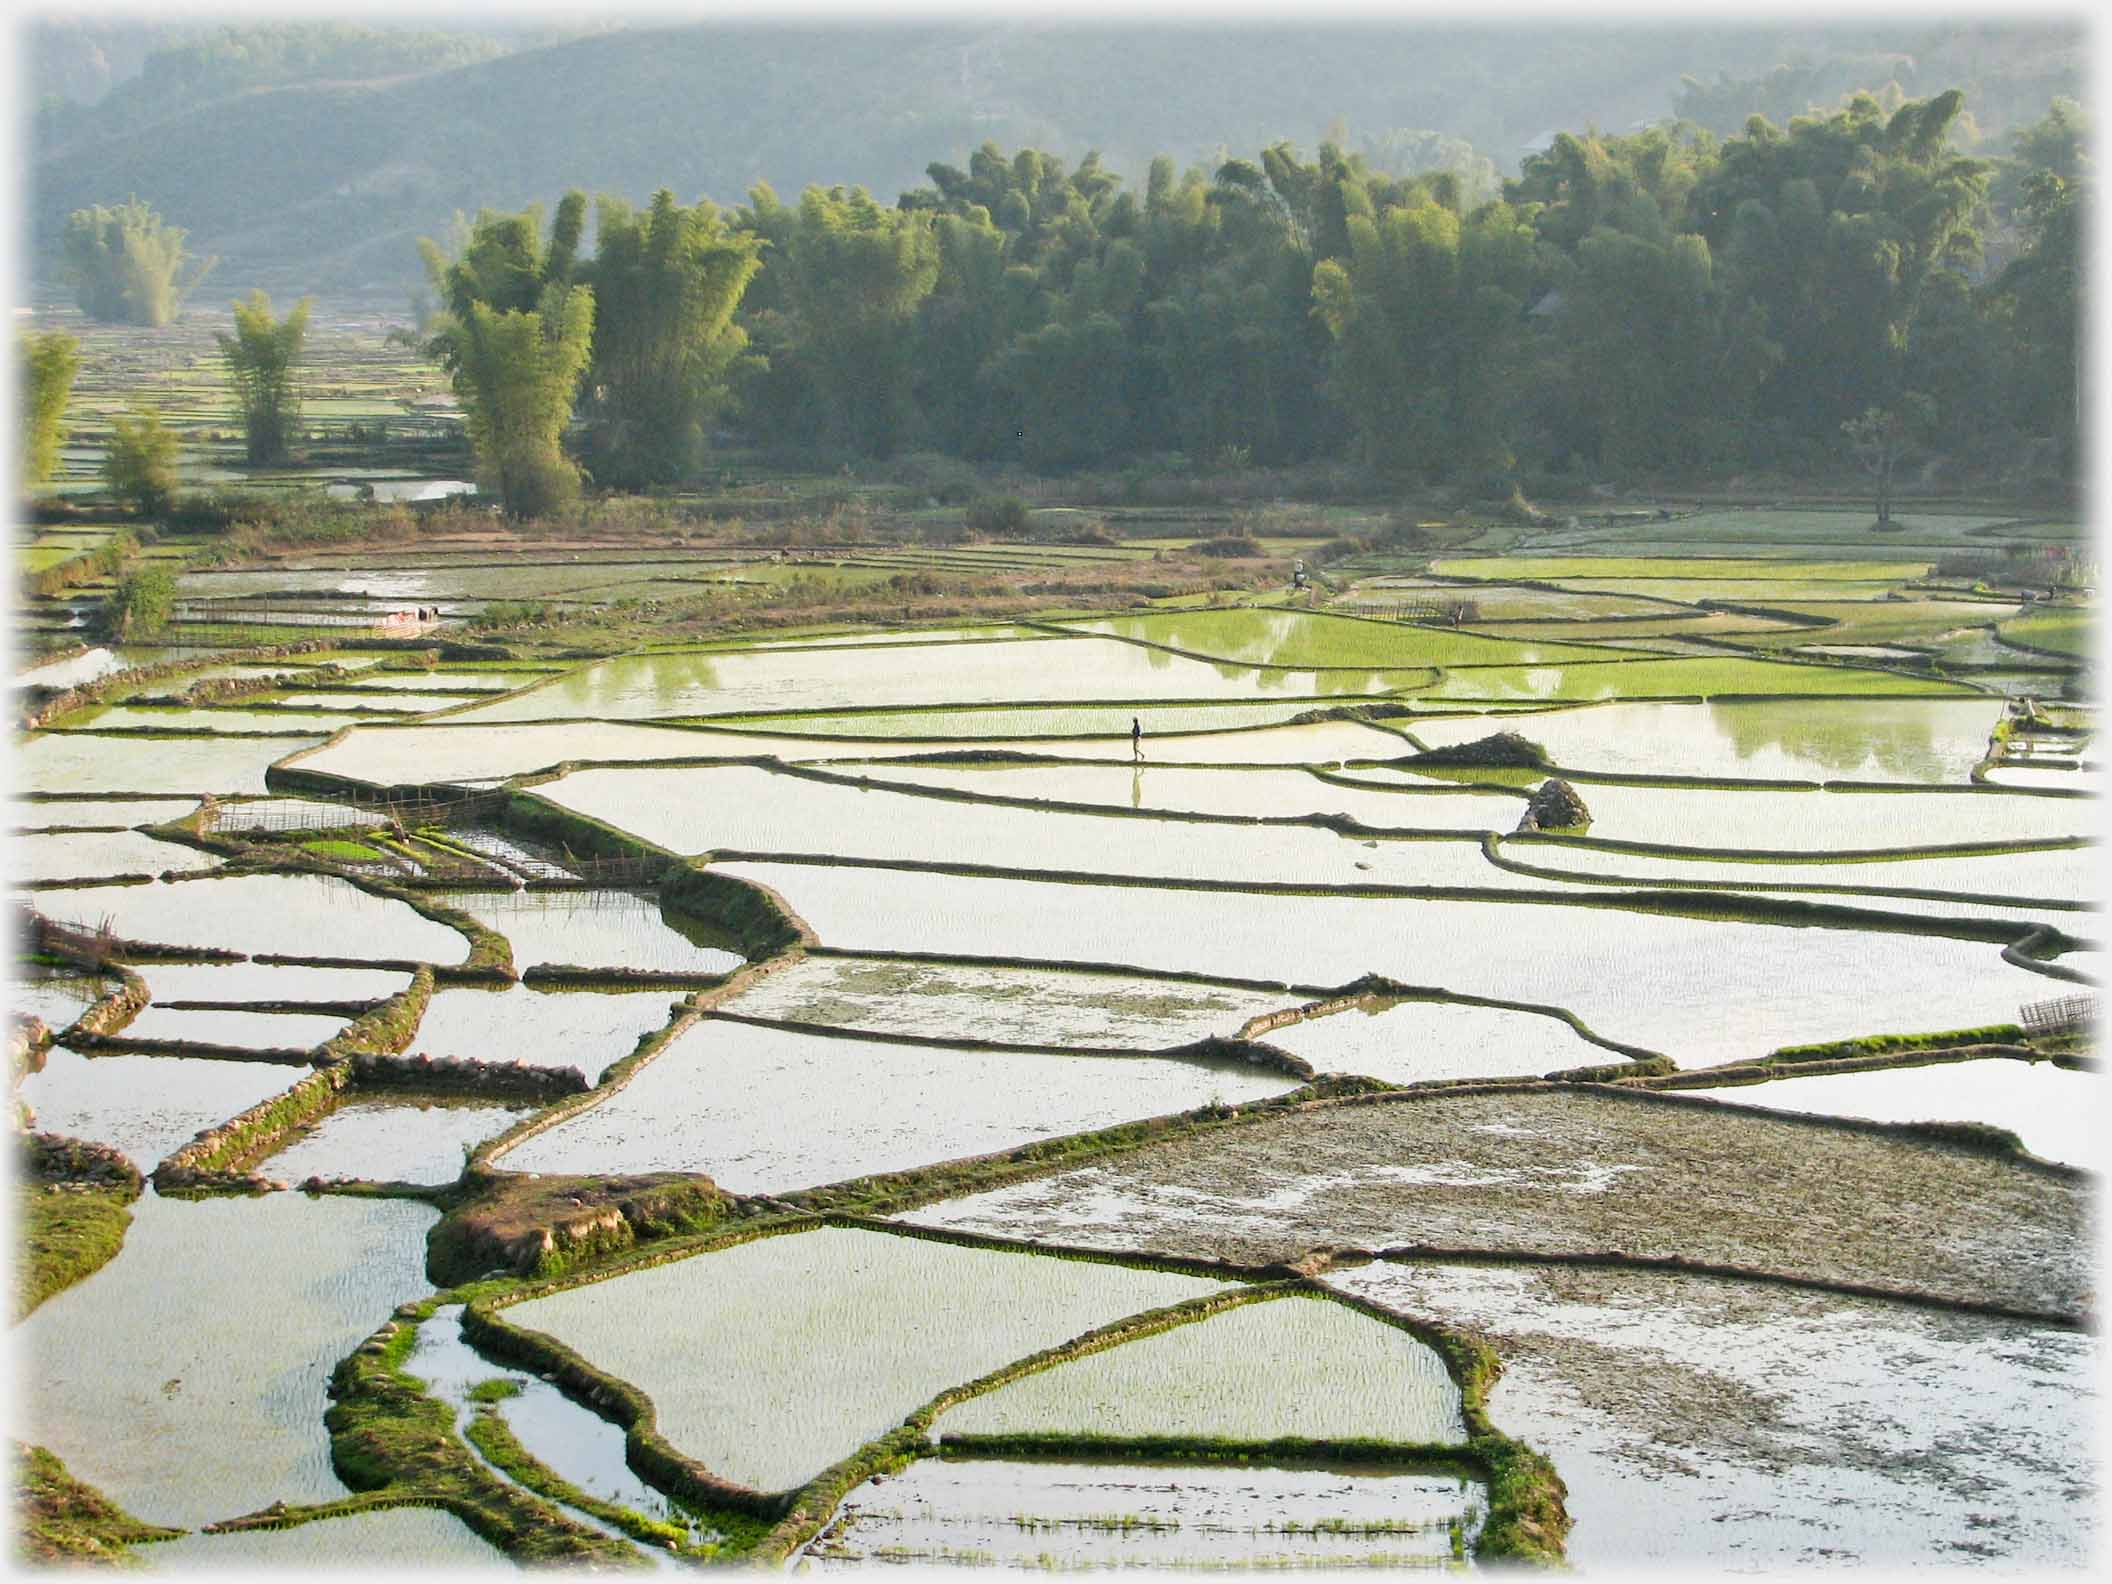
1417	1041
1176	729
821	1341
1923	740
1306	638
1499	601
1057	670
1251	792
1651	569
1674	678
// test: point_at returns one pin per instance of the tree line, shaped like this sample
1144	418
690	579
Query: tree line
1659	302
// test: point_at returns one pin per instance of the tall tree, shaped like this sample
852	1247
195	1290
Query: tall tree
854	275
48	365
262	356
666	284
1427	312
126	264
139	466
515	337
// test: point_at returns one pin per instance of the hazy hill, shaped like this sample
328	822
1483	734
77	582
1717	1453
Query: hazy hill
328	185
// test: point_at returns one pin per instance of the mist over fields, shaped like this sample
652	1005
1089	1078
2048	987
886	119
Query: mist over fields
310	162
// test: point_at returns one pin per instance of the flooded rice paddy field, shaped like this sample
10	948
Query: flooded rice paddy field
145	1107
1011	1026
86	855
1726	1425
1021	1006
771	1110
394	1538
724	1342
187	1400
2058	1113
391	1139
1285	1367
1049	1513
587	1029
1406	1042
292	915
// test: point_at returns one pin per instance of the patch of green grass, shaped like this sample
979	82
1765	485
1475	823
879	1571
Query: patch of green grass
343	851
68	1234
497	1389
63	1521
2068	632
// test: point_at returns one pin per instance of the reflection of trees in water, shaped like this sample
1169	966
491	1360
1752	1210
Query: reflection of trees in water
1897	737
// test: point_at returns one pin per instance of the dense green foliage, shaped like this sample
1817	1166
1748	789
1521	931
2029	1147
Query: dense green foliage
666	284
1791	299
142	603
1657	302
139	465
48	365
262	355
124	263
514	337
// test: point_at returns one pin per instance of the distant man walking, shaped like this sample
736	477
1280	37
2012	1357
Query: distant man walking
1136	737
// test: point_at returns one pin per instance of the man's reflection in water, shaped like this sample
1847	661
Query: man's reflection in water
1136	787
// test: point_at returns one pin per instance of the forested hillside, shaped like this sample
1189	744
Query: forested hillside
323	178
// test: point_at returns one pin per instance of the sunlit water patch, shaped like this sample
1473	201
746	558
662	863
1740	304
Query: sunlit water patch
144	1106
639	687
391	1138
1414	1041
2072	874
1707	1424
597	929
773	1359
764	1110
185	1379
1923	740
248	981
72	762
1765	821
1286	1367
237	722
98	811
2058	1113
741	808
586	1029
1062	1514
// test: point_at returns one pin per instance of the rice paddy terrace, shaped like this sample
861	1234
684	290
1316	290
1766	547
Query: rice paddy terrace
831	1094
